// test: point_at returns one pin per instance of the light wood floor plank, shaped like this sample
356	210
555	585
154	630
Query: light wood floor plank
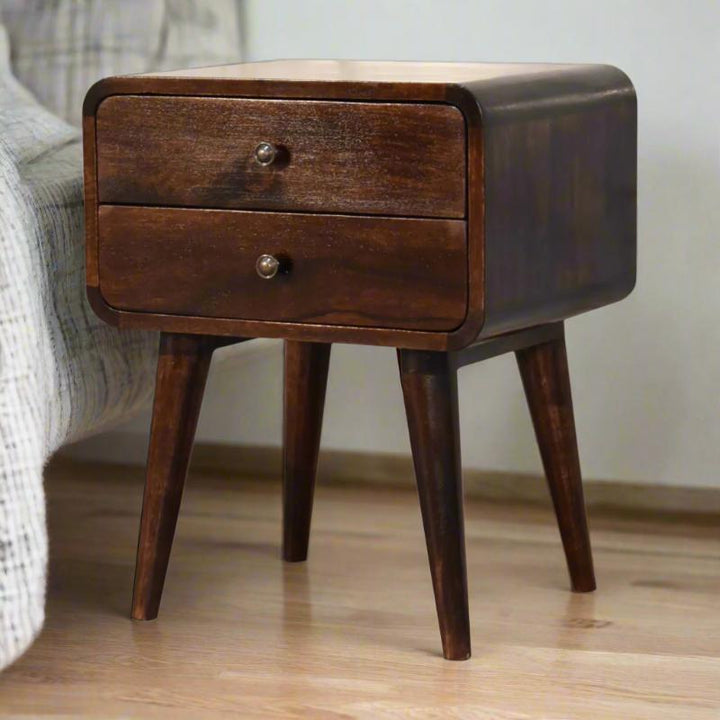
352	633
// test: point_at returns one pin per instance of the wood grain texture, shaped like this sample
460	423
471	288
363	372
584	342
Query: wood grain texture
366	271
546	380
183	364
306	370
550	179
429	384
335	157
560	207
242	635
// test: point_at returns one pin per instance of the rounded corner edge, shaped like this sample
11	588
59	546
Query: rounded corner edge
466	101
467	332
100	307
97	92
631	284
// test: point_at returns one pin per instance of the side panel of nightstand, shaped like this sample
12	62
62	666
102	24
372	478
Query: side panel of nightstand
560	178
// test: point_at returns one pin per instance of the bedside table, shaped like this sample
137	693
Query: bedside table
453	211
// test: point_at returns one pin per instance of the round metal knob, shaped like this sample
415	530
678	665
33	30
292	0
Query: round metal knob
265	153
267	266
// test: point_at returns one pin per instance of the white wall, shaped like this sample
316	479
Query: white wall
646	372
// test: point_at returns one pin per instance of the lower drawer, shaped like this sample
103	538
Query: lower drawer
404	273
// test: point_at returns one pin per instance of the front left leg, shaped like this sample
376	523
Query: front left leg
182	369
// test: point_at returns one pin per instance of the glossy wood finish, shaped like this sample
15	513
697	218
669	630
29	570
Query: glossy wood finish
550	178
335	157
306	370
546	380
362	271
183	364
429	384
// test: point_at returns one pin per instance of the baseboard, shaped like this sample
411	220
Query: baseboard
340	466
390	470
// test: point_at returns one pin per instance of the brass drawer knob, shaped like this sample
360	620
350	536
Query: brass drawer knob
267	266
265	153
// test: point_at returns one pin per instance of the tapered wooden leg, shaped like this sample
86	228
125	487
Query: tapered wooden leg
183	365
306	369
429	383
546	380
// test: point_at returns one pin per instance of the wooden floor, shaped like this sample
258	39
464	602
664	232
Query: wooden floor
352	633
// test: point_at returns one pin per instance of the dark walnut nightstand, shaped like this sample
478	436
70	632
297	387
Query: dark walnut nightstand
454	211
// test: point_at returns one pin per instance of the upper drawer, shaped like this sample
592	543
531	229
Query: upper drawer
335	157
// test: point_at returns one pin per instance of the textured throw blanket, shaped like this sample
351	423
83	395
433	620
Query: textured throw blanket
62	372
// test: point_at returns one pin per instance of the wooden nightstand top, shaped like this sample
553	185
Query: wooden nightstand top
368	71
489	84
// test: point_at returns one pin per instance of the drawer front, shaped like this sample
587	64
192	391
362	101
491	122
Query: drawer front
405	273
333	157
